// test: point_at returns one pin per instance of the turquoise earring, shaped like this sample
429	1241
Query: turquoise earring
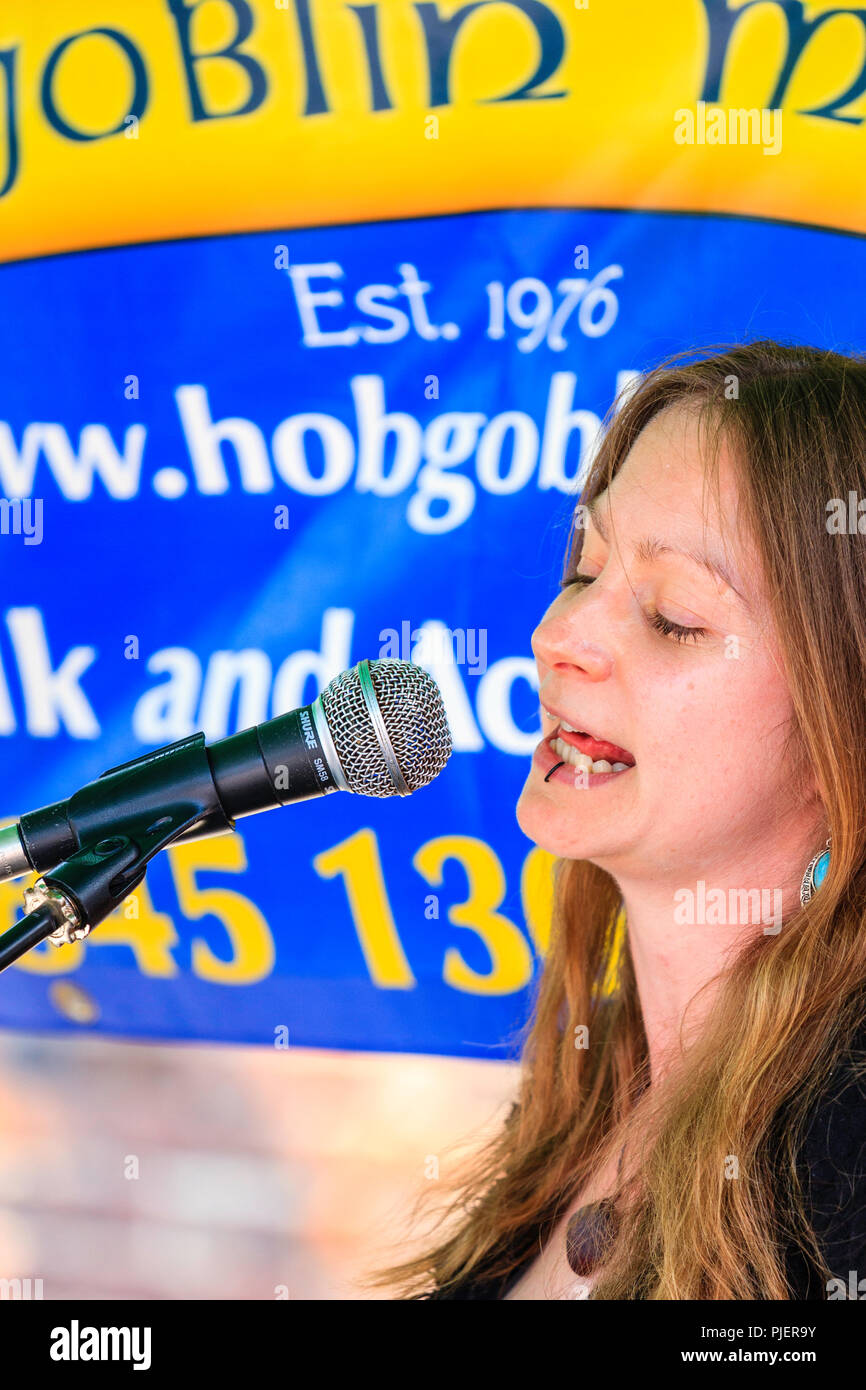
816	872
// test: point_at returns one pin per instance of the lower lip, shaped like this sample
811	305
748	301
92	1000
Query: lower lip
544	758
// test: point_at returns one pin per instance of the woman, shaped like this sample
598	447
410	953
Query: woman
691	1121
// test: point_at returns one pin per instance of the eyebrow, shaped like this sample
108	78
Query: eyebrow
651	548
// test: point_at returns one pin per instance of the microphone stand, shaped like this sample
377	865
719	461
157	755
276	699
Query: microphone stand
170	792
28	932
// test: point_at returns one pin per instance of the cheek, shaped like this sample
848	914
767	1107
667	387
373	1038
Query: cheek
730	722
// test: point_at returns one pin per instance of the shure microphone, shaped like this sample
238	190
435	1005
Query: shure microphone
378	729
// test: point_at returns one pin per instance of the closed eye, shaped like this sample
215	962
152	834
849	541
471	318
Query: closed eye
657	620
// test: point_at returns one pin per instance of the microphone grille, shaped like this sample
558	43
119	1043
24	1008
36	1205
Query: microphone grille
411	706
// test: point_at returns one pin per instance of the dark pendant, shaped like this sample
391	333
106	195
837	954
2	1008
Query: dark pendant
587	1233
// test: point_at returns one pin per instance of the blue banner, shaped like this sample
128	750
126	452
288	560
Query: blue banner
250	461
312	314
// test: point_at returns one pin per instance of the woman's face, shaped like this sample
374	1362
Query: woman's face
703	717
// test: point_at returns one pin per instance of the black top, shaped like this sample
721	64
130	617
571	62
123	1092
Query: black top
831	1165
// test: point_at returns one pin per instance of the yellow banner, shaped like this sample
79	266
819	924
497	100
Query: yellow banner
164	119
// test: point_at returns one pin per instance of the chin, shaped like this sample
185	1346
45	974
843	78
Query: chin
542	824
551	828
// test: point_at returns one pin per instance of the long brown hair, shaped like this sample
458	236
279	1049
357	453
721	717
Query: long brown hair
789	1006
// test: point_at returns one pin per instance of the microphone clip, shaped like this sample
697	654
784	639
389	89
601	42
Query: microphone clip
91	883
114	832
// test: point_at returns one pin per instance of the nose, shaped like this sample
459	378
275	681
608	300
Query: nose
561	640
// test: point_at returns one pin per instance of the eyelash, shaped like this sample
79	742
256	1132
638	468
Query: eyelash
661	624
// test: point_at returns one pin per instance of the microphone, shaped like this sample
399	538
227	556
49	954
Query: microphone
378	729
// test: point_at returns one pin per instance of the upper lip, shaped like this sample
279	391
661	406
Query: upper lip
580	725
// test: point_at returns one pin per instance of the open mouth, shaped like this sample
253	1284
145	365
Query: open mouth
583	749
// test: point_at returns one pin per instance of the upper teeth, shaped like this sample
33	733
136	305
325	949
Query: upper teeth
562	724
574	756
577	759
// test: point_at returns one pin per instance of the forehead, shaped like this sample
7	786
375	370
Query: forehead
663	480
666	469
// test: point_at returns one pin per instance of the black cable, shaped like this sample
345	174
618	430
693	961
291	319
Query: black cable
25	934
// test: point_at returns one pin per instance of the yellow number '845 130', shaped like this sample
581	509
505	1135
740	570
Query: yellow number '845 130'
241	950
